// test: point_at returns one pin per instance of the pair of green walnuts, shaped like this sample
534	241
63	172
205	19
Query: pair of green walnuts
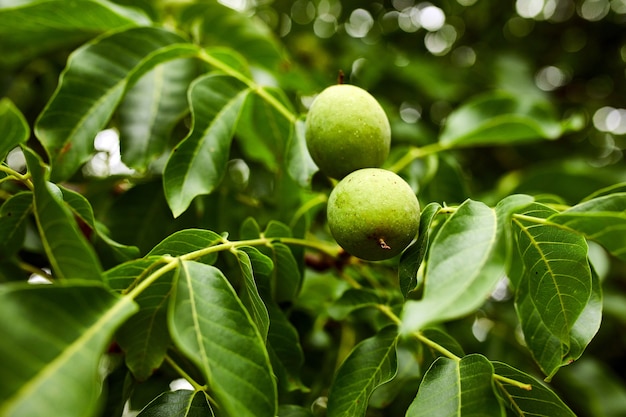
372	213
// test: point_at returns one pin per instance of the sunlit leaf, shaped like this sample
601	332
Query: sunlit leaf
209	324
13	125
187	241
94	81
587	324
197	164
150	110
500	118
370	364
52	369
539	401
69	253
466	260
601	219
457	388
181	403
300	165
143	337
39	26
412	257
555	285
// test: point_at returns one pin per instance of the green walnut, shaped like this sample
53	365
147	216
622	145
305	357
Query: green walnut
346	129
373	214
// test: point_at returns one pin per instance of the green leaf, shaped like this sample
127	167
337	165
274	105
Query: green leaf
286	278
69	253
412	257
351	300
300	165
14	214
42	26
131	220
13	125
588	323
555	286
464	264
181	403
289	410
370	364
187	241
285	350
197	164
601	219
457	388
262	131
83	212
144	337
94	81
209	324
151	109
246	34
500	118
250	294
54	343
539	401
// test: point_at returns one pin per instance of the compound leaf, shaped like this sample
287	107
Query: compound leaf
91	86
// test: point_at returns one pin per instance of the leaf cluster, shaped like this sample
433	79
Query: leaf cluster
205	260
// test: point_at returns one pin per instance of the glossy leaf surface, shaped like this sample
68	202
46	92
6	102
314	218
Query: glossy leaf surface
464	264
457	388
35	27
198	163
92	85
40	358
499	118
209	324
555	286
372	363
181	403
70	255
